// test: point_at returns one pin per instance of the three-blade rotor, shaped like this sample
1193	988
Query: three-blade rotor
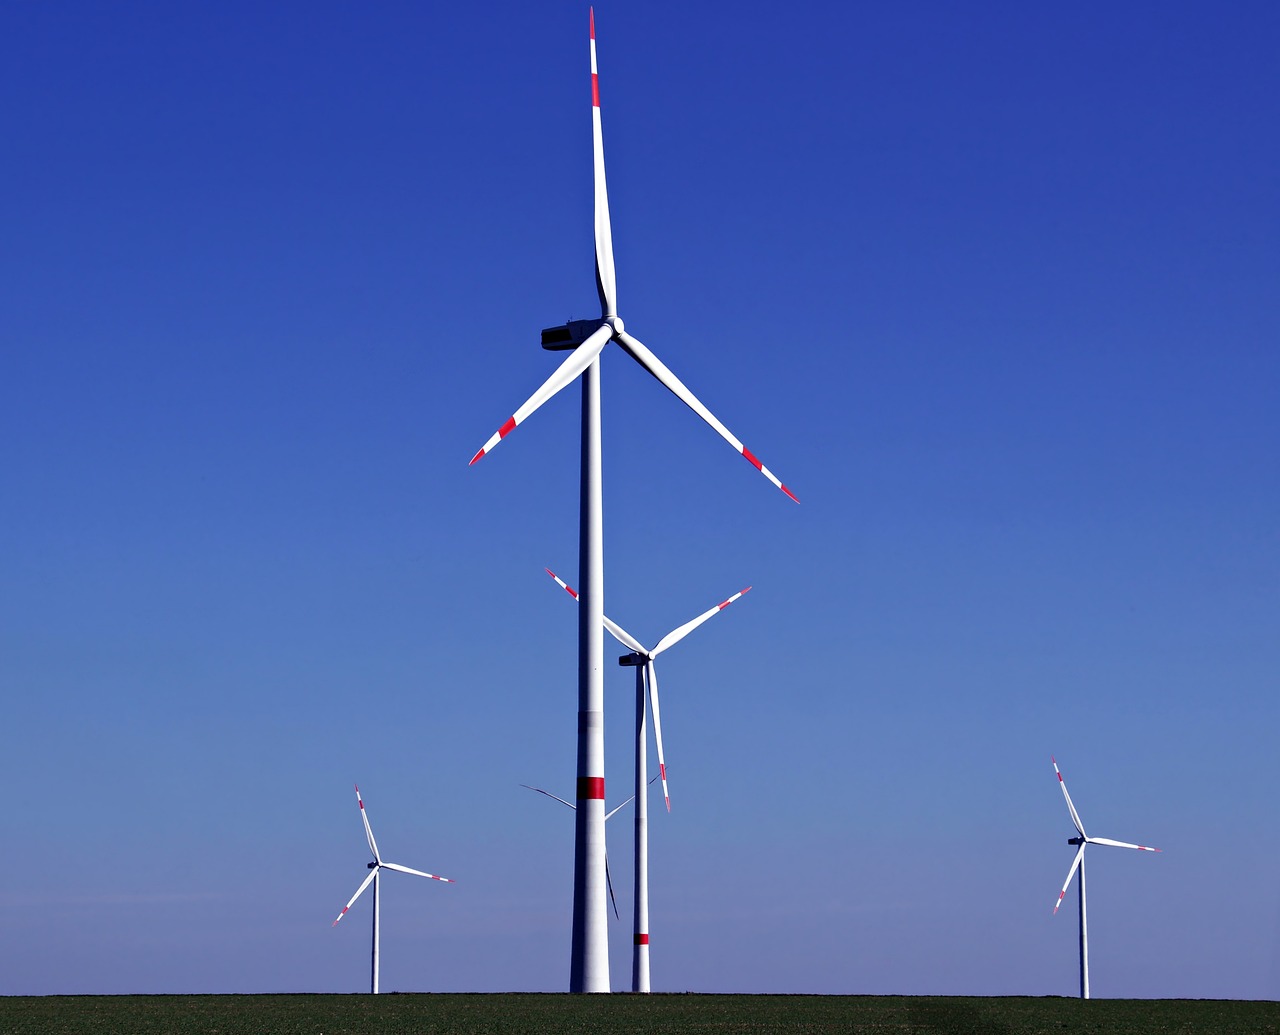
379	864
611	326
1084	839
650	671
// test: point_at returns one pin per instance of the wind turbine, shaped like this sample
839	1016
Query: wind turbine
589	954
375	869
1078	863
608	815
643	662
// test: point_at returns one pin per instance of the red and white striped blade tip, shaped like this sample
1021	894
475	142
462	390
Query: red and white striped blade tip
574	364
643	355
418	873
562	584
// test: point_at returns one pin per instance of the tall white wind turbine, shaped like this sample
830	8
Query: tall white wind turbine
374	878
589	954
642	660
1078	864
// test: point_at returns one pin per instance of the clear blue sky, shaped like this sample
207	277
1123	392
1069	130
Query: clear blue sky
993	289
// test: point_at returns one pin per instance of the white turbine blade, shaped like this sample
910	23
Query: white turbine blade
368	830
1120	844
359	891
622	806
1075	816
550	795
608	879
578	361
620	634
658	369
417	873
676	635
652	674
605	279
1075	865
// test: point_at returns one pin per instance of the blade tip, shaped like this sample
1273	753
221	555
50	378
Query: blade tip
475	458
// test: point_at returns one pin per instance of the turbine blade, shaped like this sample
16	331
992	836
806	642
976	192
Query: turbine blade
577	361
605	279
676	635
617	808
550	795
658	369
417	873
1120	844
651	674
368	830
608	879
562	584
1075	816
359	891
620	634
1075	865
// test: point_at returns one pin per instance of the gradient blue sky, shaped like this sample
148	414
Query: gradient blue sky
993	288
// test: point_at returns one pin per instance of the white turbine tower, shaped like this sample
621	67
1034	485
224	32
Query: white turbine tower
643	662
1083	840
375	868
589	954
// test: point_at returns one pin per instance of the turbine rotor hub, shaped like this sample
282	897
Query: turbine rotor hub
616	323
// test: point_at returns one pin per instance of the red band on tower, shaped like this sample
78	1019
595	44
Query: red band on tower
642	939
591	788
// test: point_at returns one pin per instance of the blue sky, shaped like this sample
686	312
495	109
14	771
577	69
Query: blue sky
994	291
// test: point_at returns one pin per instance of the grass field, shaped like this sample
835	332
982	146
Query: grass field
552	1014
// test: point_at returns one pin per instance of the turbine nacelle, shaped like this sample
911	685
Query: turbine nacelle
633	660
568	335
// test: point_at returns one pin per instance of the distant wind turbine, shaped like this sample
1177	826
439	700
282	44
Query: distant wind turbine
375	869
1078	864
643	662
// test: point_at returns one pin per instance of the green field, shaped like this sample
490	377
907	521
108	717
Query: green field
465	1014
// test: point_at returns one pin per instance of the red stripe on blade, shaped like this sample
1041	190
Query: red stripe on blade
595	90
591	788
752	459
507	428
593	21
